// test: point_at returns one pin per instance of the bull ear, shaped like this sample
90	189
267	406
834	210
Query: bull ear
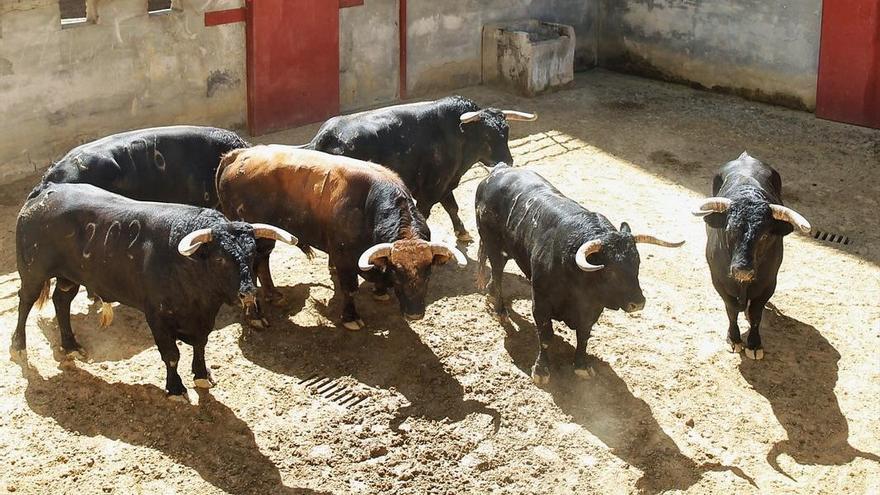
716	220
624	227
781	228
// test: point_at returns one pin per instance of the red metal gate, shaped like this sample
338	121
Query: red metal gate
849	62
292	62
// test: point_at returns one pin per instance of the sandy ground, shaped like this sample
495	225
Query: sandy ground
445	405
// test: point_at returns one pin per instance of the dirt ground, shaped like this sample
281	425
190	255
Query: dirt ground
445	404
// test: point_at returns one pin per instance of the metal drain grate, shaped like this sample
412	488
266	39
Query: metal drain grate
831	237
334	390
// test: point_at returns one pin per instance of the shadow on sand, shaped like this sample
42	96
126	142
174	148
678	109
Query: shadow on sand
208	437
606	407
387	354
797	377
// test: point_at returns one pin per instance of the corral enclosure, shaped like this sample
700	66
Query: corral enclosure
446	404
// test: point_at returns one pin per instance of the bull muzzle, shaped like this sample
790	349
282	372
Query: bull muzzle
632	307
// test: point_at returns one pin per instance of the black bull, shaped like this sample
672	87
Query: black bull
429	144
577	262
176	263
745	224
174	164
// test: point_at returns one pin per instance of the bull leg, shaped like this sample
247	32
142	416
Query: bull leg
496	294
201	376
541	369
451	208
347	287
65	291
734	341
424	208
164	336
27	297
380	288
261	266
581	364
754	312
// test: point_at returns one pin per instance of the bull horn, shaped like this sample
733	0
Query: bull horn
191	242
520	116
712	205
649	239
381	250
266	231
449	251
469	117
585	250
788	215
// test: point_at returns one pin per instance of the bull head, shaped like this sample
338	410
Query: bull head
407	263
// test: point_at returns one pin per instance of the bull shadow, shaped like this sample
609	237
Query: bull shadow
798	376
387	354
209	437
606	407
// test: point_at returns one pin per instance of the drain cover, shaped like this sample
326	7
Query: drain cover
831	237
334	390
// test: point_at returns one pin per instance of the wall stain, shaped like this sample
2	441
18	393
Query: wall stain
219	79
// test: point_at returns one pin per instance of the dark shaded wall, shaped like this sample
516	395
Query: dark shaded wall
765	50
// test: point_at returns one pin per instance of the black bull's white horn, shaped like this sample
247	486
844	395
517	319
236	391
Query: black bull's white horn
266	231
712	205
586	249
788	215
511	115
649	239
191	242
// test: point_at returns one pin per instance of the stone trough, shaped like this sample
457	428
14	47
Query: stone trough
528	56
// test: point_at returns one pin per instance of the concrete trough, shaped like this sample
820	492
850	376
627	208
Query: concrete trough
528	56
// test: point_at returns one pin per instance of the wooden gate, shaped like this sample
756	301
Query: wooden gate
292	62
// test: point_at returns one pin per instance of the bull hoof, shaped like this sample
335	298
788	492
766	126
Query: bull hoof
384	297
180	398
106	314
204	382
259	324
734	347
18	355
541	376
585	373
353	325
756	354
464	236
77	355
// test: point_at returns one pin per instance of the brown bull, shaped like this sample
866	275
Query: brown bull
359	213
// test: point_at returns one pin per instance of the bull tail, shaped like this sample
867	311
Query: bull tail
482	267
44	294
307	250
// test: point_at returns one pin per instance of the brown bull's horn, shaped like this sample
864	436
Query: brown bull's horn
712	205
469	117
649	239
266	231
521	116
788	215
191	242
448	250
585	250
381	250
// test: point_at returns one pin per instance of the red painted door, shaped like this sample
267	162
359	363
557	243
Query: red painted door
849	62
292	62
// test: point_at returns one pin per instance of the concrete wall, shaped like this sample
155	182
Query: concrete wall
369	54
61	87
761	49
444	44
